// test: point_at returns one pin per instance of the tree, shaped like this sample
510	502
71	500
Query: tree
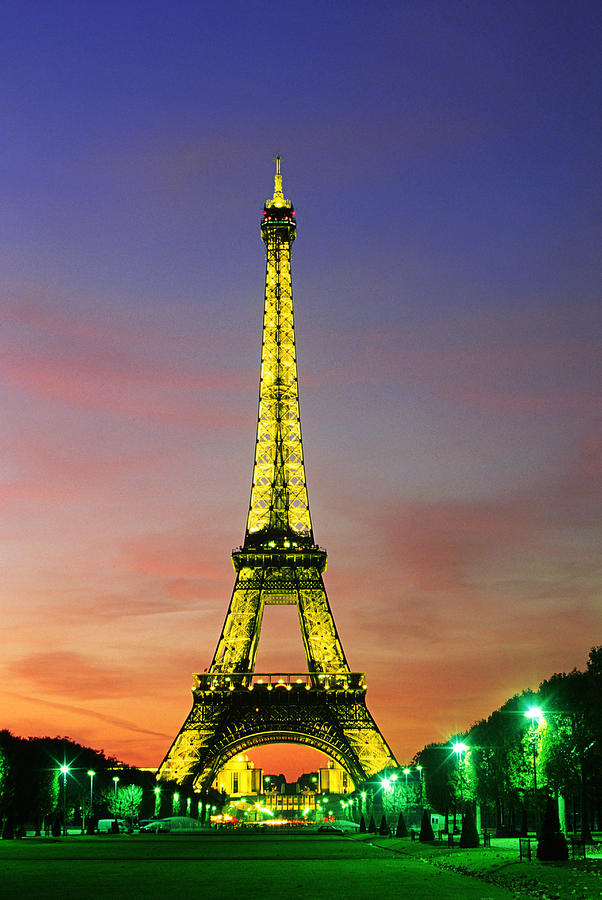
572	757
439	769
129	799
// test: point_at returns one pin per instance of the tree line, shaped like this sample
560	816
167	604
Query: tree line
37	793
537	745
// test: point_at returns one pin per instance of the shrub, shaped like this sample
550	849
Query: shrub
470	835
552	843
401	830
426	829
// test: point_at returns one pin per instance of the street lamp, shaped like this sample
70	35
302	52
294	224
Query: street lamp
157	800
115	782
65	771
420	780
91	774
460	749
535	714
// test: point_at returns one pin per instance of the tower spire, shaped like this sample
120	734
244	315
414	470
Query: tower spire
279	508
278	200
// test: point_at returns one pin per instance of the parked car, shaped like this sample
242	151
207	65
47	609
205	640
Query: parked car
105	826
154	825
330	829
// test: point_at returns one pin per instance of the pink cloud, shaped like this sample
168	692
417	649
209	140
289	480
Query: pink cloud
80	363
85	712
71	674
513	364
182	559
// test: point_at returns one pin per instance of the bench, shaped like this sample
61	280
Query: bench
577	848
486	839
524	848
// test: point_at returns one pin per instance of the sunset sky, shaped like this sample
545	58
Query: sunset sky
443	161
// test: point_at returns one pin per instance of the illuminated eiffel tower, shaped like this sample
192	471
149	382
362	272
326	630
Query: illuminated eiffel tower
234	707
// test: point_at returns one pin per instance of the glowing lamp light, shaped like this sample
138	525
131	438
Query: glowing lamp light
534	712
65	769
459	748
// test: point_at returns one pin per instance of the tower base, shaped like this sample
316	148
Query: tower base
231	713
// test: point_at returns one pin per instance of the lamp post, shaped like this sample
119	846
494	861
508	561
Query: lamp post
420	789
406	772
91	774
157	800
535	714
65	771
115	783
460	749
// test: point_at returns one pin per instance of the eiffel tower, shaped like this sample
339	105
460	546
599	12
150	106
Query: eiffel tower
234	707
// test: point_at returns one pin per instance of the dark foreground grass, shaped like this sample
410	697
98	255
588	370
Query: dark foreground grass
279	867
570	880
227	866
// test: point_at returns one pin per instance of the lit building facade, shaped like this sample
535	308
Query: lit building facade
239	778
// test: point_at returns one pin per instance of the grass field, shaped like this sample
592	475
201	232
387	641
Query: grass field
268	866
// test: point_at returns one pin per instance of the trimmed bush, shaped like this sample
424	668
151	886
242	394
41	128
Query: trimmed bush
401	830
426	829
552	843
384	828
470	835
362	825
372	825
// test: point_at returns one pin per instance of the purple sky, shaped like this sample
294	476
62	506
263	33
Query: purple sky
443	161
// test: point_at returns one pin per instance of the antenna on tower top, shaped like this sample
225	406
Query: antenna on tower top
278	198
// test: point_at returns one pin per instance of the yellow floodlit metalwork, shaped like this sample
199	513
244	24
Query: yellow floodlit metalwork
279	504
279	563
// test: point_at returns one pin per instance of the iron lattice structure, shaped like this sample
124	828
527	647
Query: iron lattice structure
279	563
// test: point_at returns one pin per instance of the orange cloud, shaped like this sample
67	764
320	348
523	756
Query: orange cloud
71	674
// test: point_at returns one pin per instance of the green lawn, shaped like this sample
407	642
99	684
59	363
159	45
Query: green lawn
265	866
